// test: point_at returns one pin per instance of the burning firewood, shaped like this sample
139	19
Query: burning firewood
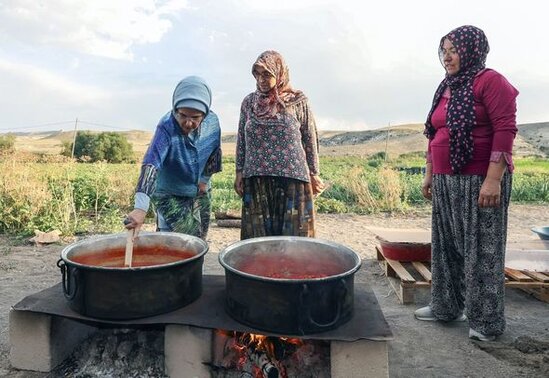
247	355
263	362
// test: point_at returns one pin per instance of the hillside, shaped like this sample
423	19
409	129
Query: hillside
532	139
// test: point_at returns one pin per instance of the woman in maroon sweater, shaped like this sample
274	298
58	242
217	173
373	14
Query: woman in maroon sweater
471	128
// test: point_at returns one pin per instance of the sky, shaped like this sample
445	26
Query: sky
113	64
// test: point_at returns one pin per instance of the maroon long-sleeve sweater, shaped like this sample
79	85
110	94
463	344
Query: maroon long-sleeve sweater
494	132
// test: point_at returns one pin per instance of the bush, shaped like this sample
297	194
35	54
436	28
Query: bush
7	143
377	159
107	146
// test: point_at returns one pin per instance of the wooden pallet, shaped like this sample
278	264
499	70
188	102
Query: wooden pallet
411	281
534	283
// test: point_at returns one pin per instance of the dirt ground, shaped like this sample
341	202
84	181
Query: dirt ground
419	349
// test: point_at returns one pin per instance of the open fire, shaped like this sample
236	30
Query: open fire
238	354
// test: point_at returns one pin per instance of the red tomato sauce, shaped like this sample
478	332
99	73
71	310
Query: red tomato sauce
142	256
289	267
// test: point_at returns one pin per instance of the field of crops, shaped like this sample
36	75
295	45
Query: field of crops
93	198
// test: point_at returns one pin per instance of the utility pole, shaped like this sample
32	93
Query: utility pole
387	139
74	137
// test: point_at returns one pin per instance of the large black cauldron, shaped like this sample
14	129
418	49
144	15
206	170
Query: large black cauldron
166	274
290	285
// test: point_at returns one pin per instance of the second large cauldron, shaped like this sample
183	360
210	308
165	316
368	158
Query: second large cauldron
290	285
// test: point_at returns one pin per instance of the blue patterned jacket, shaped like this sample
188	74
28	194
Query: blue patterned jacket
179	159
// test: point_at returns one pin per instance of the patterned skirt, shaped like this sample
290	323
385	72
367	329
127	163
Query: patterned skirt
276	206
186	215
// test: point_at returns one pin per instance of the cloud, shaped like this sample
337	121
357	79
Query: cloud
33	95
107	28
48	83
116	62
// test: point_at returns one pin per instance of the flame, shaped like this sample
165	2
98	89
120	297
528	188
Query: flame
243	343
264	343
244	340
255	355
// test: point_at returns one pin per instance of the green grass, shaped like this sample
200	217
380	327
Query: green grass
93	198
532	165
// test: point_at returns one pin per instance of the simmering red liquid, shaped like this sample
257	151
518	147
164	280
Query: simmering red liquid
142	256
291	267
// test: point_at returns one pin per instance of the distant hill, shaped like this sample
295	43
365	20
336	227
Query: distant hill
532	139
51	142
537	134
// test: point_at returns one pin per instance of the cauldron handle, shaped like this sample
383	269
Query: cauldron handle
66	279
309	318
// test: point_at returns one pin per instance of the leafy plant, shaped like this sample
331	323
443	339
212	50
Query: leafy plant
47	194
7	143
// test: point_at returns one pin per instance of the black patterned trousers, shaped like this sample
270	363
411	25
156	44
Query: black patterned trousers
468	252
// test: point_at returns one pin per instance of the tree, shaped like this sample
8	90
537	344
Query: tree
66	148
106	146
7	143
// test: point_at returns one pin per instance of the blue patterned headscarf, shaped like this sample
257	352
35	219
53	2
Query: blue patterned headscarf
472	47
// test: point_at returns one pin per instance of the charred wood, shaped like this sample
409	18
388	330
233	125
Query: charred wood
231	223
263	362
229	214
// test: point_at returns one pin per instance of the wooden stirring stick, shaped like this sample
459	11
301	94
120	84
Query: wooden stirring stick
129	248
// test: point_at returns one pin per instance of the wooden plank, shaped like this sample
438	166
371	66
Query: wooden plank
379	255
523	284
541	294
417	284
517	275
408	290
407	294
396	286
389	271
423	270
537	276
400	270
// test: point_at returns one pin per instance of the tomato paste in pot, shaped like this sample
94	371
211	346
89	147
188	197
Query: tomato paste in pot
166	274
142	256
290	266
289	285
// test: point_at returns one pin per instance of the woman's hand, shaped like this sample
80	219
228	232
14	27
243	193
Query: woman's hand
134	220
202	188
490	193
239	184
317	184
426	187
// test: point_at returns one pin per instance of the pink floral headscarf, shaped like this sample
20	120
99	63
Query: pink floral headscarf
267	105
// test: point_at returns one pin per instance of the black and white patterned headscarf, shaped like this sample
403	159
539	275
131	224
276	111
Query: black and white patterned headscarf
472	47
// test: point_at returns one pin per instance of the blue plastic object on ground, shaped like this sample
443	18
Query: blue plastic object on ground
543	232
